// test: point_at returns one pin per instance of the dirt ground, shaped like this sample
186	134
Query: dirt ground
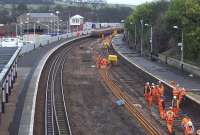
89	102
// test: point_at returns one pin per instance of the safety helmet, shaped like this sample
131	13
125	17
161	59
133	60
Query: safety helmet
170	107
147	83
189	123
174	97
177	85
159	81
152	84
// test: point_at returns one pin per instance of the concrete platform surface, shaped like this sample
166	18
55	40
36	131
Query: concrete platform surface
159	70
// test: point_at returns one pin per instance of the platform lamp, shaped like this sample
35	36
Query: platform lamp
57	12
141	46
53	25
27	21
181	45
151	38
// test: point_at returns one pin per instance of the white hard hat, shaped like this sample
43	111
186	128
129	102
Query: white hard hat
177	85
152	84
189	123
174	97
170	107
198	132
159	81
147	83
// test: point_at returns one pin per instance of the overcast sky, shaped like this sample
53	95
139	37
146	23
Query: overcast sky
132	2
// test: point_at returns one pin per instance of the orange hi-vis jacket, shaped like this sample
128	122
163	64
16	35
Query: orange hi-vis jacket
188	130
185	121
104	61
176	92
182	94
161	107
170	115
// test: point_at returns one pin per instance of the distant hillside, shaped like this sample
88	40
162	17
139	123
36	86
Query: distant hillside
50	1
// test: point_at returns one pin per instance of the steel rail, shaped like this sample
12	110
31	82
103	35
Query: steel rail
51	110
48	106
67	116
116	90
60	110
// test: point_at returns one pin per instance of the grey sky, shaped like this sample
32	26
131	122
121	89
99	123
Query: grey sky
132	2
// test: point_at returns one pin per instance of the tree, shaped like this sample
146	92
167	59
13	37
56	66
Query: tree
186	15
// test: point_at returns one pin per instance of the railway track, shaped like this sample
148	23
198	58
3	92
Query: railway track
56	116
132	81
129	105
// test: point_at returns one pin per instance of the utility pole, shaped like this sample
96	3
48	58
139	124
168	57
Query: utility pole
181	45
57	12
141	49
135	36
16	30
151	41
182	48
151	38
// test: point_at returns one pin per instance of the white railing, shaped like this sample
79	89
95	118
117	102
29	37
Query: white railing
31	43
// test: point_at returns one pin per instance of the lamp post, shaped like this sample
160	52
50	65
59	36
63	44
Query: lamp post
129	33
16	30
21	25
61	27
181	45
151	38
135	36
141	49
122	23
53	25
57	12
27	19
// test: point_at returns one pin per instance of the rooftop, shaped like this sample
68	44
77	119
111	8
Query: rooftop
40	14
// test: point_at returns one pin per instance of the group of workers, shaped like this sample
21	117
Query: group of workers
154	94
107	57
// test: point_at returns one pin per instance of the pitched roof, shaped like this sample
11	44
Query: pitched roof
42	14
77	16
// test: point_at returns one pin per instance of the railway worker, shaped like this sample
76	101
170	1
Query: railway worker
182	95
161	107
173	83
103	62
175	106
161	88
149	97
176	91
170	120
154	93
187	126
146	90
157	94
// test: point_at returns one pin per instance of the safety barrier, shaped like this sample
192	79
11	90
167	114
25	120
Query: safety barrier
43	40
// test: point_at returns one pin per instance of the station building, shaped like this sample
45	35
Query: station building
38	22
76	23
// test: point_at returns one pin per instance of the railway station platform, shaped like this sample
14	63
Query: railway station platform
18	110
158	70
